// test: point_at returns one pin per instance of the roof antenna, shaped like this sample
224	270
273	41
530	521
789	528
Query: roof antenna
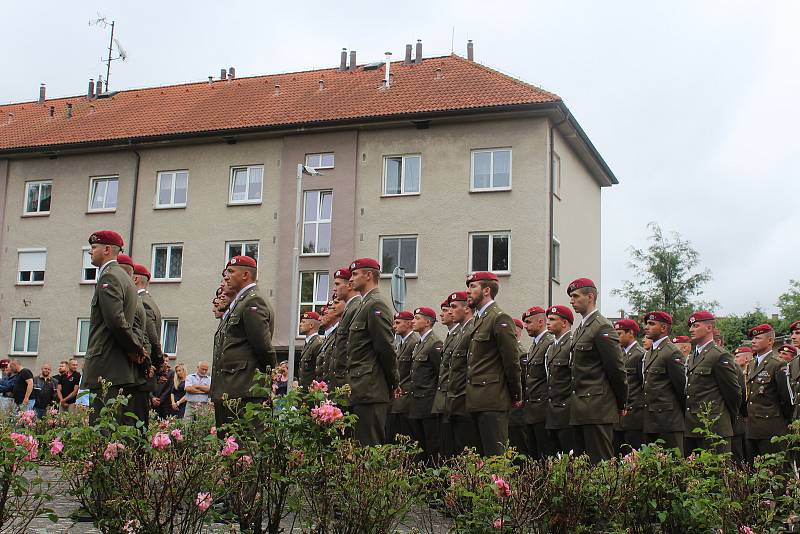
112	42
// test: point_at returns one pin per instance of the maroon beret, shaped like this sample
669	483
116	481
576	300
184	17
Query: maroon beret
365	263
579	284
106	237
760	329
699	316
627	324
530	312
743	349
141	270
660	316
518	323
788	348
458	296
681	339
343	273
242	261
124	259
427	312
481	275
794	326
314	316
561	311
404	315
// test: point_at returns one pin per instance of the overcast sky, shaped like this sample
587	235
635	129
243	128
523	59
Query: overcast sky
692	104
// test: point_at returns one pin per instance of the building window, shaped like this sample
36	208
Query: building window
401	175
555	260
172	189
317	210
321	161
490	252
167	263
37	197
491	170
313	290
246	184
31	265
556	178
241	248
103	193
83	337
169	337
88	270
25	337
399	251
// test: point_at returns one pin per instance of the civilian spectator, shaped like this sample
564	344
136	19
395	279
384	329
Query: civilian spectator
178	395
44	387
23	388
160	398
68	385
197	387
6	387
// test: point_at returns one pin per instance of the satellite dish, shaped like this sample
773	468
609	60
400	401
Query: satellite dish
399	288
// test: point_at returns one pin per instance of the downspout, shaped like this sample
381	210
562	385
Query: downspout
552	205
133	203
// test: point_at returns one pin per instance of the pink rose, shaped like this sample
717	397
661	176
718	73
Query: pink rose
203	501
56	446
176	433
503	489
318	386
230	446
326	413
161	441
112	449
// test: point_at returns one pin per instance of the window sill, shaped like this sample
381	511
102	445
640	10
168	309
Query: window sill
107	210
247	203
180	207
37	214
490	190
408	275
165	281
29	283
400	195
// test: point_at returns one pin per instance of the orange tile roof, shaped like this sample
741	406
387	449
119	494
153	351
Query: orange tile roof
252	103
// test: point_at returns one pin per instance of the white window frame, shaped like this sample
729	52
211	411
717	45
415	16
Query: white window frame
555	259
555	179
317	221
164	321
84	254
492	234
27	343
403	158
246	201
37	213
315	304
405	236
171	204
93	180
32	282
320	155
78	351
242	244
169	246
491	187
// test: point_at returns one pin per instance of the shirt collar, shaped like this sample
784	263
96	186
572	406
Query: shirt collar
483	308
657	343
586	317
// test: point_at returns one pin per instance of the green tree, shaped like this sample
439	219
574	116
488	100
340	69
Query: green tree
666	277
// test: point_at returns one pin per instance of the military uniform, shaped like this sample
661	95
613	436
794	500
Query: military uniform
463	427
664	392
599	391
440	399
535	410
711	382
372	367
422	381
308	359
770	403
631	424
559	391
398	420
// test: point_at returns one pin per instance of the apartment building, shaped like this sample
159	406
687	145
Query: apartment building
442	166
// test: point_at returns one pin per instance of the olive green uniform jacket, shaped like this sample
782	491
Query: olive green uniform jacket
405	351
424	377
712	381
308	360
372	361
599	391
634	362
245	346
440	399
111	334
770	400
493	372
664	389
536	380
340	352
457	384
559	383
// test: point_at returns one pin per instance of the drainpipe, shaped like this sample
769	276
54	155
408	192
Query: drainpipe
552	204
133	203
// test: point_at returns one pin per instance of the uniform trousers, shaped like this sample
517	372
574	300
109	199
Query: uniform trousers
672	440
690	443
492	428
595	440
562	439
370	428
540	444
425	432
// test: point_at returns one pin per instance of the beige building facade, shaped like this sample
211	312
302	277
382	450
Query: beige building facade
516	191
